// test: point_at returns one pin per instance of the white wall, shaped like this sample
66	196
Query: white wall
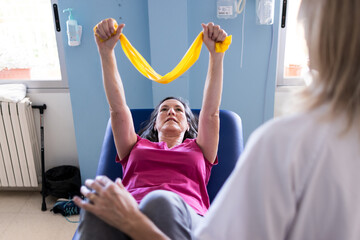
59	134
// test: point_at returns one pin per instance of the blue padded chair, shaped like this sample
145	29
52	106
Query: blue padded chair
230	148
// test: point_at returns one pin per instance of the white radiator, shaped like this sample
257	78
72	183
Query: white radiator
19	145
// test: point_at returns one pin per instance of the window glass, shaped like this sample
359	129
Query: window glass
296	57
28	47
293	56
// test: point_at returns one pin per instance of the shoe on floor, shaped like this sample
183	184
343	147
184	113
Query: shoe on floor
66	207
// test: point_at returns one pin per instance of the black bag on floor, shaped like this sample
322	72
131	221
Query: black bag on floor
63	181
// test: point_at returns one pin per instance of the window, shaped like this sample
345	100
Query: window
293	56
32	51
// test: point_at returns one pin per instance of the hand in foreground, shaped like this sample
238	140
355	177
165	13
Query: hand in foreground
109	201
212	34
104	34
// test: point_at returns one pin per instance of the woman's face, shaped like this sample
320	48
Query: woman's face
171	117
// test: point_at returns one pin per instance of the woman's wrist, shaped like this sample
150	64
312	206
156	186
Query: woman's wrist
103	52
134	222
106	55
216	56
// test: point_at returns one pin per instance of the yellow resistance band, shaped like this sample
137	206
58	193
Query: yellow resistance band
186	62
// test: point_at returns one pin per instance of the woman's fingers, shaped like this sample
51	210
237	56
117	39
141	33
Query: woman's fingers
103	180
119	30
92	196
78	201
100	31
214	32
210	27
99	184
97	189
84	204
119	183
110	26
106	28
222	36
205	31
101	187
85	191
204	28
93	185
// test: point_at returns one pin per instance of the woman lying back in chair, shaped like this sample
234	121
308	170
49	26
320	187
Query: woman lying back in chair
167	167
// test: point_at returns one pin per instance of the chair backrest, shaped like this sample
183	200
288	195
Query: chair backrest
230	148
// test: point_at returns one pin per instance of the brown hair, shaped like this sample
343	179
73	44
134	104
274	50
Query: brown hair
332	34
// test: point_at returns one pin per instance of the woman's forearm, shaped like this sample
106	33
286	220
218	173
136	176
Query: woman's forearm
213	84
121	119
209	123
112	82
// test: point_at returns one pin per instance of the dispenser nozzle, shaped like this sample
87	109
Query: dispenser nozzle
70	12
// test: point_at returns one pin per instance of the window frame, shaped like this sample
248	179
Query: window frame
281	80
48	84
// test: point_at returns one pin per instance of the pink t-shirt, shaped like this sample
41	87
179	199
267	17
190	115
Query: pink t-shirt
182	169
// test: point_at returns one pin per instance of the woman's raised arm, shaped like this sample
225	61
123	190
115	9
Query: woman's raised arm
209	123
106	37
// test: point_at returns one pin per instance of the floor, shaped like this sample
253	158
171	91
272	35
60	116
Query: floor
21	218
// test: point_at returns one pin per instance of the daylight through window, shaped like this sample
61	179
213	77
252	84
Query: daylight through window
28	49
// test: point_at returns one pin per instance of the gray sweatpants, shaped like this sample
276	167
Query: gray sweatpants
167	210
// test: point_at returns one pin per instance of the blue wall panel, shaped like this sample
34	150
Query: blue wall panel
168	43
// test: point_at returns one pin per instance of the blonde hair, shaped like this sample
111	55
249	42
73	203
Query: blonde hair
332	34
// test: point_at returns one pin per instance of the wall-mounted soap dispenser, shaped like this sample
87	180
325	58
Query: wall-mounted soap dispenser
73	30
